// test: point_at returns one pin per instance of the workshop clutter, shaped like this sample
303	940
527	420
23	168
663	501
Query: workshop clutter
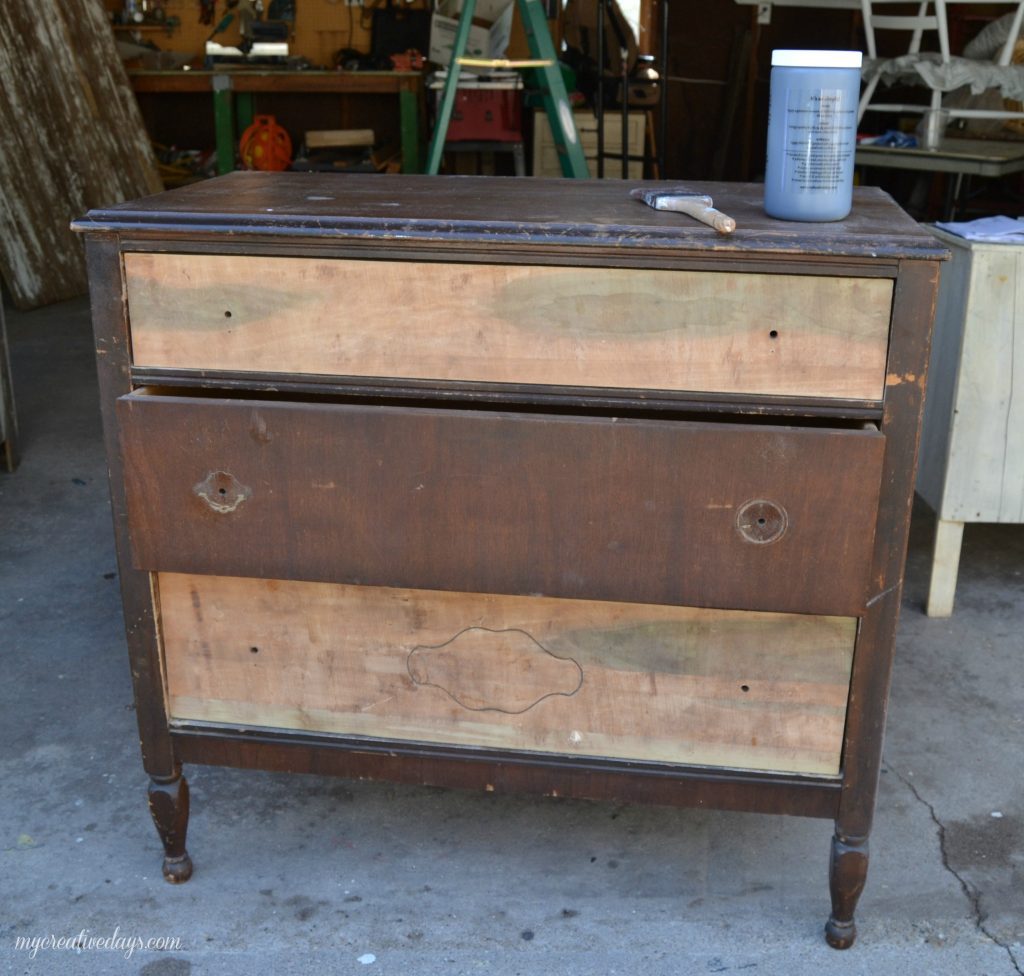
488	106
484	41
265	145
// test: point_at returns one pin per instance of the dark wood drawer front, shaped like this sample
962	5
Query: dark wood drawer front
662	512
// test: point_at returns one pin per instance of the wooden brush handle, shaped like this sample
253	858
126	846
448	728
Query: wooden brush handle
699	210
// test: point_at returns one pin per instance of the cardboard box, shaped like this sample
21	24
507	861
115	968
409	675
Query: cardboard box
487	11
484	42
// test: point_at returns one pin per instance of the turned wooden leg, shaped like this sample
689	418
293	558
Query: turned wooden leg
168	803
848	870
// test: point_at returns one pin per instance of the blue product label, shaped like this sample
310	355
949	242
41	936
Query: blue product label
821	126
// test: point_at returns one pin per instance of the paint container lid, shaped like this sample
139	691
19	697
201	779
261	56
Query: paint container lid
817	59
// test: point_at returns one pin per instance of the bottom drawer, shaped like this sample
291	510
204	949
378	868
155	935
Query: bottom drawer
739	689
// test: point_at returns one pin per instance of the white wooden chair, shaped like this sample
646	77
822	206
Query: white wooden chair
937	70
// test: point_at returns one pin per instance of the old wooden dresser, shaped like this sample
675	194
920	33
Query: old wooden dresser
513	485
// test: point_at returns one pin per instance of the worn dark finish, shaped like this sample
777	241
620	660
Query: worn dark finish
848	871
489	769
589	508
484	210
112	358
168	803
669	446
913	311
627	402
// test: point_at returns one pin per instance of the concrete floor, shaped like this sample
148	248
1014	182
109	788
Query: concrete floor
307	875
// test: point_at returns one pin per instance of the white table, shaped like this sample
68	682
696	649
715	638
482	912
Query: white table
972	448
972	157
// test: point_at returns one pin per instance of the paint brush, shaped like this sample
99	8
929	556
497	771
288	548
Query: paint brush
698	205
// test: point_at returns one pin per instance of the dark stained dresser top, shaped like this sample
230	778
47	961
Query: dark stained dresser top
490	210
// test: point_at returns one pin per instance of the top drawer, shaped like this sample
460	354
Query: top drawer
633	329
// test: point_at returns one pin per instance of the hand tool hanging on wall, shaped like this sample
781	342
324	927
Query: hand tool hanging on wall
225	22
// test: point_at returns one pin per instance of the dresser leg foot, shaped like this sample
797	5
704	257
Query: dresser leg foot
848	870
168	803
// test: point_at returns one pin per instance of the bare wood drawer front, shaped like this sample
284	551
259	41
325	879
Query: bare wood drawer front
788	335
725	515
670	684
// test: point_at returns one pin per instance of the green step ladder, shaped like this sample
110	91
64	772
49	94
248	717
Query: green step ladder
553	93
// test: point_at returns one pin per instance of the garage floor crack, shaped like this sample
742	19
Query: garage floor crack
971	893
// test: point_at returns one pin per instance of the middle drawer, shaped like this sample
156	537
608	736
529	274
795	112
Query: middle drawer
734	516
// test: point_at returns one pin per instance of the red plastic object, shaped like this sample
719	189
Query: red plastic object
411	60
482	115
265	145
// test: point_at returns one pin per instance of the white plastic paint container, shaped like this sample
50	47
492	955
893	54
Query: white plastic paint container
812	134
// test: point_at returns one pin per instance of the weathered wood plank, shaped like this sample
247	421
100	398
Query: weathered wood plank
72	139
598	327
671	684
985	472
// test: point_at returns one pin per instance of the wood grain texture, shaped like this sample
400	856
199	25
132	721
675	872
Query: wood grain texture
984	472
489	213
787	335
748	690
72	139
646	511
110	324
913	312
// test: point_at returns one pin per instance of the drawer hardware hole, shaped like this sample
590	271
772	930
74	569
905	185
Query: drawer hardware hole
760	521
774	334
222	491
744	687
227	315
254	650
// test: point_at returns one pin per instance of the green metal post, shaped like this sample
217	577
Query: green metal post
451	84
244	112
410	116
553	93
223	124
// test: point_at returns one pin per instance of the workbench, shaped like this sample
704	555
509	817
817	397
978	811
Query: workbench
480	483
232	93
963	157
960	158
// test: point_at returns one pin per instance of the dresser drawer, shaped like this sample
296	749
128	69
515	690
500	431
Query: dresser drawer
724	515
575	677
718	332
